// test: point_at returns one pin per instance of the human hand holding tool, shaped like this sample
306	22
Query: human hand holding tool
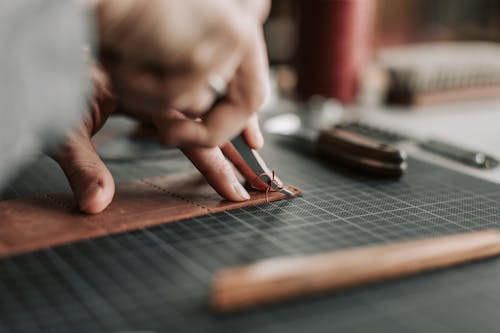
159	59
253	168
163	54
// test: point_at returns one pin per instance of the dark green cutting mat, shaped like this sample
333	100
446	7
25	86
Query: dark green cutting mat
157	279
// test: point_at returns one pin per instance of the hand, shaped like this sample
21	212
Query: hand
216	169
161	53
89	178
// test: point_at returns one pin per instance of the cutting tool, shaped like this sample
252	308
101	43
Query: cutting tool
467	156
316	129
247	160
252	167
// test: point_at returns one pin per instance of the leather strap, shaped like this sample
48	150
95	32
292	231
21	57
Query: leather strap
33	223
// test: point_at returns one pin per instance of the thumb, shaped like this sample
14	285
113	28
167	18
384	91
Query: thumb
90	180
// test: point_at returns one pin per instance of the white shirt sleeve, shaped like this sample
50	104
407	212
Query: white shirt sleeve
43	75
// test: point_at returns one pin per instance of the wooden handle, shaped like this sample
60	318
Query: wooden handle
356	144
358	152
286	277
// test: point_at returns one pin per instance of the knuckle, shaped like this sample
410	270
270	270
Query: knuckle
200	103
222	167
256	98
84	170
195	60
213	141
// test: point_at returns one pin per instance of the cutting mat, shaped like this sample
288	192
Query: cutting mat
157	279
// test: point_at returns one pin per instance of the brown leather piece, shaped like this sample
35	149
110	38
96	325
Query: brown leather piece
33	223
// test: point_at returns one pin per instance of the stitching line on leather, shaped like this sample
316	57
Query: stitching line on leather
175	195
86	218
55	201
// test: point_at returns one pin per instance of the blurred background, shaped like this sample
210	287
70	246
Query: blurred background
409	52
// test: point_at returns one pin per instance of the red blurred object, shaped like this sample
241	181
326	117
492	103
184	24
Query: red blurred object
335	42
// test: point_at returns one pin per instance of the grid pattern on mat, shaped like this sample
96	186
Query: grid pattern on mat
158	279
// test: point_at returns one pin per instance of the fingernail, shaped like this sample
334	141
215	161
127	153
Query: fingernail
91	198
241	191
88	195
